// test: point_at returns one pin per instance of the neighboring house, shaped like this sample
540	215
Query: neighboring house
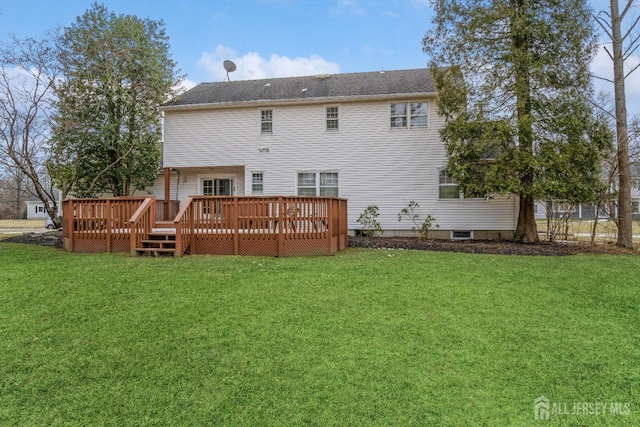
587	210
36	208
372	138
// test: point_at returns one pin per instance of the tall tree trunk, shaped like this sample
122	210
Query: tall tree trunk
526	230
625	233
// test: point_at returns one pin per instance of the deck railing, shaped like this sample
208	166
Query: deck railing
279	226
166	210
142	223
98	225
273	226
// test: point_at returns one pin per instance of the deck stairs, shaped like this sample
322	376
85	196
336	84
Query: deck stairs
160	241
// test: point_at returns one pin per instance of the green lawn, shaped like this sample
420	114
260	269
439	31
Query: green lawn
366	337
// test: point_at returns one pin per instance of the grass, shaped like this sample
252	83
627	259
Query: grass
366	337
581	229
21	223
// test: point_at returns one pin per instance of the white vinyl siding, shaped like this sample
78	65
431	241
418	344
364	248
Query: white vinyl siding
376	165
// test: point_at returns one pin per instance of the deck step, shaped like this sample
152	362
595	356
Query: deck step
158	242
164	224
156	251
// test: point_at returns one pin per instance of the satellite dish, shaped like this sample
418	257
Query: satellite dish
230	66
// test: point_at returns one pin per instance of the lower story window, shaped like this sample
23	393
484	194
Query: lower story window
447	186
318	184
257	183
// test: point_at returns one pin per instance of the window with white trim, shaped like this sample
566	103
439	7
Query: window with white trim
318	184
418	115
257	183
266	121
409	114
448	188
332	119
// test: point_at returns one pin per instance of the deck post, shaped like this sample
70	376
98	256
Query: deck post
329	203
236	228
67	218
280	227
192	226
167	193
109	225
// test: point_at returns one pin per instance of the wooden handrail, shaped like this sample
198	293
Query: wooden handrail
142	223
183	224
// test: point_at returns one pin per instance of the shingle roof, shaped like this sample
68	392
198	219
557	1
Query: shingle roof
320	86
56	194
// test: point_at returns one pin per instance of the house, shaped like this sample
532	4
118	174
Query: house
36	208
587	211
372	138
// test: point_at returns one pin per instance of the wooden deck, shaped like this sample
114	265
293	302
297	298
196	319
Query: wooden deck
217	225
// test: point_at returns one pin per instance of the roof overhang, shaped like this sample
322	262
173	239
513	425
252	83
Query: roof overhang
299	101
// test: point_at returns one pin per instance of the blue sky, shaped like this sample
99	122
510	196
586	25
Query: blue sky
265	38
274	38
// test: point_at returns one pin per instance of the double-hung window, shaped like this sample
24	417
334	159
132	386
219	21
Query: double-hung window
332	119
399	115
318	184
418	115
409	115
257	183
448	188
266	121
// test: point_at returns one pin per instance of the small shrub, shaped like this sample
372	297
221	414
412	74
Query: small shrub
421	226
370	224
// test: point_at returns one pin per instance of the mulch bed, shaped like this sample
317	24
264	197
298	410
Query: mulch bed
50	238
54	239
504	247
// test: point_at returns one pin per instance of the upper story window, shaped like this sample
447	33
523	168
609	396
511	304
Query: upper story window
398	115
332	119
266	121
318	184
409	115
418	115
257	183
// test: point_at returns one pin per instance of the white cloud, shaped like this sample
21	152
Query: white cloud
185	85
251	66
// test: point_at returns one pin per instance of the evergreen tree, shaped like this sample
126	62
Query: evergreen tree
514	90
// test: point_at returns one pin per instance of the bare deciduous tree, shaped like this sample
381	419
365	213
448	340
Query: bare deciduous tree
624	46
28	71
15	189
